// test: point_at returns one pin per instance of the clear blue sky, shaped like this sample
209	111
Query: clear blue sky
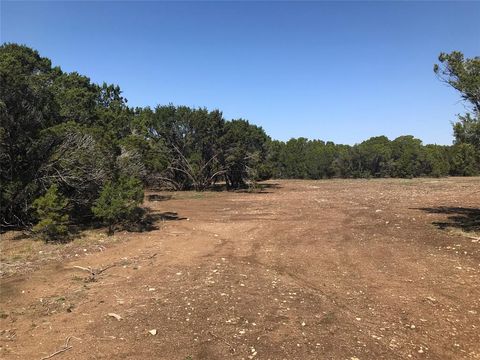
340	71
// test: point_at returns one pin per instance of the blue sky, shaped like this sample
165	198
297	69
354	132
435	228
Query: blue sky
340	71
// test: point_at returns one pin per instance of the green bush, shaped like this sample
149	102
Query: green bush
463	160
50	209
118	202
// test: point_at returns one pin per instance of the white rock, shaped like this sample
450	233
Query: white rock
116	316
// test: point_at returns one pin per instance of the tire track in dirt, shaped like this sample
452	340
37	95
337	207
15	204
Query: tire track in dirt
308	270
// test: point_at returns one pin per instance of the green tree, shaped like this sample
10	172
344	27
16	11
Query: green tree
27	105
436	161
273	158
294	157
243	152
375	156
193	140
60	128
464	160
76	98
467	130
461	74
407	156
51	210
118	202
75	160
464	76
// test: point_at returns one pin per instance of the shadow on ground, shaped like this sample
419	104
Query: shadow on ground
466	219
144	219
149	220
259	188
158	197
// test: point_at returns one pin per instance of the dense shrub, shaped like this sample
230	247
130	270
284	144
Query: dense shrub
464	160
118	202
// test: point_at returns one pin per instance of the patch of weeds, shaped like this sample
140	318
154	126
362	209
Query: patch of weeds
125	262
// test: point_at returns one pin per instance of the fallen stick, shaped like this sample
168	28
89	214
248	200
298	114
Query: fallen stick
94	272
84	268
104	269
232	349
65	348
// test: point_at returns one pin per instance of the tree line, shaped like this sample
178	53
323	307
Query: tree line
73	152
377	157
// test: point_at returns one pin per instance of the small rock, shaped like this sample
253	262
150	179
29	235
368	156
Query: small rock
116	316
153	332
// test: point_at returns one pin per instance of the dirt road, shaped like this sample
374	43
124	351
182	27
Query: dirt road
337	269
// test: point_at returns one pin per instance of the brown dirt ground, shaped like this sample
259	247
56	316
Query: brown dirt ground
337	269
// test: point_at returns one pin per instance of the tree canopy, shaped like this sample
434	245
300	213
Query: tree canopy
464	76
66	140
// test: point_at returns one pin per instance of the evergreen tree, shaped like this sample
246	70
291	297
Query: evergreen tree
118	202
51	210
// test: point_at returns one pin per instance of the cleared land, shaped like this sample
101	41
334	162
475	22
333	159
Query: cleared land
338	269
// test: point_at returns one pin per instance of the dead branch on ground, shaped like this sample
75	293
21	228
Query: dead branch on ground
94	272
232	349
64	348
